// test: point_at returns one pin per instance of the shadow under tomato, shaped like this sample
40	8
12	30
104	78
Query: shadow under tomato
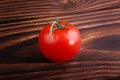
27	51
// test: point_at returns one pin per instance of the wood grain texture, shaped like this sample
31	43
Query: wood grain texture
97	20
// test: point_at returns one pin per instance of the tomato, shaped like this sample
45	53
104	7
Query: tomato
59	41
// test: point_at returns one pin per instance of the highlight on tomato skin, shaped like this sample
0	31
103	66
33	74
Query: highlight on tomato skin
59	41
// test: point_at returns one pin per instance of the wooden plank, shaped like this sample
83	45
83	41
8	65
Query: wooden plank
97	20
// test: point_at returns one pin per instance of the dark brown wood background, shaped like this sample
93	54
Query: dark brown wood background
97	20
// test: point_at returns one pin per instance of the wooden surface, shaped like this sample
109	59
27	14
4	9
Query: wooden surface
97	20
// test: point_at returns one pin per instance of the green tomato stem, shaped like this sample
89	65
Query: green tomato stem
57	23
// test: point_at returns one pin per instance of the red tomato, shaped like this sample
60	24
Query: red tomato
59	41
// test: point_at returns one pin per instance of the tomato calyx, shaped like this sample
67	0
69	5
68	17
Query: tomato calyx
58	26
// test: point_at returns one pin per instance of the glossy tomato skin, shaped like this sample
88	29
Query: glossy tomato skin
62	45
